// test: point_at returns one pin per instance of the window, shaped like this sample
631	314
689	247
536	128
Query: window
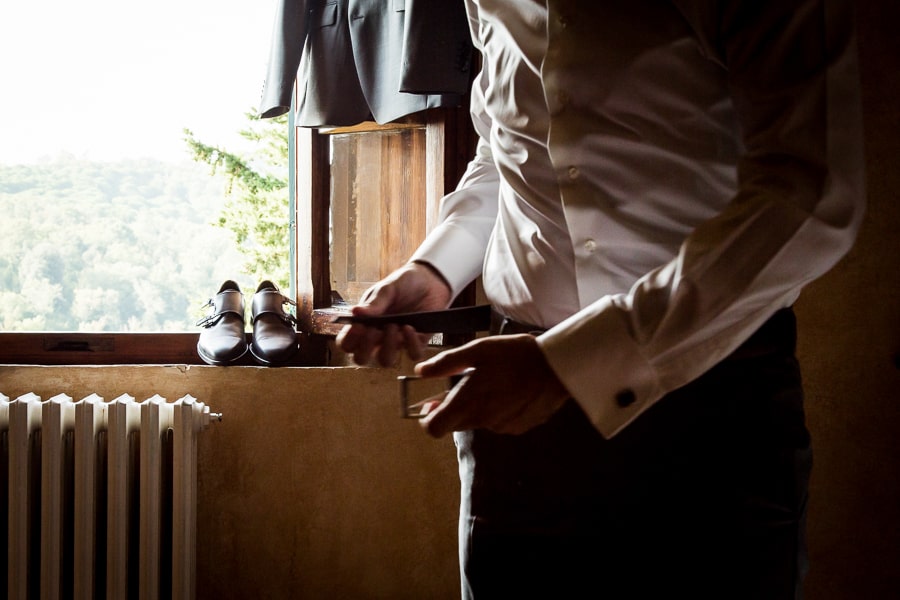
96	102
352	189
364	198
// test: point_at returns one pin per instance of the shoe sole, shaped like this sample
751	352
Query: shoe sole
220	363
271	363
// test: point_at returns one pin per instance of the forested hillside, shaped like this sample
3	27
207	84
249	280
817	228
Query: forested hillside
124	246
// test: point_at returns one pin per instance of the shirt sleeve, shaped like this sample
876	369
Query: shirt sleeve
457	245
800	201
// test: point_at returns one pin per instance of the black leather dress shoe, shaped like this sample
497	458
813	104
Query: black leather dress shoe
222	340
274	330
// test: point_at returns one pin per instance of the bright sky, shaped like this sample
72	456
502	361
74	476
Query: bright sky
109	79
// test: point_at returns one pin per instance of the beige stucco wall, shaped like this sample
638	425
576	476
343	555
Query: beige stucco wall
311	486
850	348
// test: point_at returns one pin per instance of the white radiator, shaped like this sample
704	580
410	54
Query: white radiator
99	498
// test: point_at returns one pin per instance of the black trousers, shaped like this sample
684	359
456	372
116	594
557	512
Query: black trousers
703	496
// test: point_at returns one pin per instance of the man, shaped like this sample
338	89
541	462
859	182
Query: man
654	184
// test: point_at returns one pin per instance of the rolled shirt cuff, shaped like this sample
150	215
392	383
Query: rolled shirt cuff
597	359
454	252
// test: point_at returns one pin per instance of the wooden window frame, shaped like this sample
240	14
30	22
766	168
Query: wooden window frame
448	150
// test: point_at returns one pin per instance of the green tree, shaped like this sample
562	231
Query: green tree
110	246
256	196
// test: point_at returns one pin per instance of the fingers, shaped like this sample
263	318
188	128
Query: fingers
375	301
451	414
414	342
511	388
450	362
455	412
366	344
437	423
410	288
348	338
390	343
383	345
474	407
467	407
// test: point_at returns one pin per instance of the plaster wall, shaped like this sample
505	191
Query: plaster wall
850	349
311	486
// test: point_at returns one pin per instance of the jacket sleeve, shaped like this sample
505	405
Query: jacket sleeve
288	37
437	48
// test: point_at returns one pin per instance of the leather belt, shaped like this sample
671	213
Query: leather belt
503	325
464	320
776	334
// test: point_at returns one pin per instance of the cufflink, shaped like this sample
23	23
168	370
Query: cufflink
625	398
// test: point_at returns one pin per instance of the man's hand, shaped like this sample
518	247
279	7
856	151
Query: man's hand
511	389
412	287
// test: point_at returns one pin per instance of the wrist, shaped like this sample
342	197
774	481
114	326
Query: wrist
433	273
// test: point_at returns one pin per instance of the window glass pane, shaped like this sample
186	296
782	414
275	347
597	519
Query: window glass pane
108	222
119	246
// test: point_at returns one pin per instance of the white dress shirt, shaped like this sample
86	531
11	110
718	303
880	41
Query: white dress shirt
653	180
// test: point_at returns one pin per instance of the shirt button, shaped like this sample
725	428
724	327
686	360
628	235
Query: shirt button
563	21
590	246
562	98
573	172
625	398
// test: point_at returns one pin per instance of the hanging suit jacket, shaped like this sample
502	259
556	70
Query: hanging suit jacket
358	60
